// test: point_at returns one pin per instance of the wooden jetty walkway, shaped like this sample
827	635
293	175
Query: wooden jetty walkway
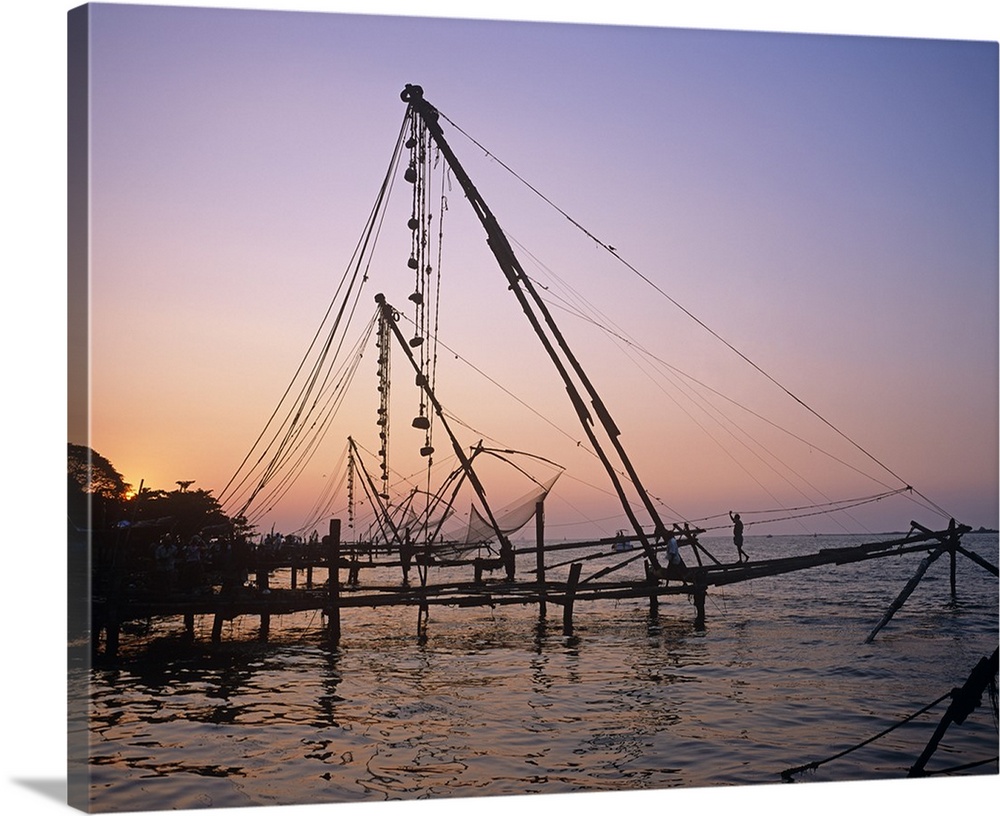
118	600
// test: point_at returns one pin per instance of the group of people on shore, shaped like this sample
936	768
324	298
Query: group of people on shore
196	563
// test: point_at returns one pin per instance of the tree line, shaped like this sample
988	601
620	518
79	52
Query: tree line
99	499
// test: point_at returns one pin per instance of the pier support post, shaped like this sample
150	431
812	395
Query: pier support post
112	622
953	542
423	614
654	600
954	590
540	555
406	556
263	579
574	578
333	554
700	592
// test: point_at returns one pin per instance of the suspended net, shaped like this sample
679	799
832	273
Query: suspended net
510	519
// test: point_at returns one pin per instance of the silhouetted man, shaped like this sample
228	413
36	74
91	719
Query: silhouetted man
738	536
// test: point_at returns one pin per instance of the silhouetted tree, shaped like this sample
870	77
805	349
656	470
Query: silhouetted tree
99	500
95	474
97	493
186	512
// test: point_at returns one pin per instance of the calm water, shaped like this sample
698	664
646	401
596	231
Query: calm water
495	702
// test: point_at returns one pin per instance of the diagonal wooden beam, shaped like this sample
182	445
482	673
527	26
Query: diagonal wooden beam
907	590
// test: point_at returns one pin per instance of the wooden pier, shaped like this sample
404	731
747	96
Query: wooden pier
323	589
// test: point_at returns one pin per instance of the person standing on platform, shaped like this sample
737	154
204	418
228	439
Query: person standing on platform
738	536
676	568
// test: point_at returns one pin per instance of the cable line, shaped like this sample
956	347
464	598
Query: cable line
614	252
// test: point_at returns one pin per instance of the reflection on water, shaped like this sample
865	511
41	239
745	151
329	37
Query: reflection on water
499	702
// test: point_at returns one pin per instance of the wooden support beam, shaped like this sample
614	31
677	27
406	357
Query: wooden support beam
263	579
423	614
907	590
964	701
333	608
986	565
954	589
654	599
540	555
574	579
405	556
217	627
700	591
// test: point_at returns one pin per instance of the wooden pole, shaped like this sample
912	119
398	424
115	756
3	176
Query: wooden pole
112	630
910	586
540	555
423	613
964	701
654	601
217	627
333	611
986	565
574	578
954	589
405	556
263	579
954	539
700	591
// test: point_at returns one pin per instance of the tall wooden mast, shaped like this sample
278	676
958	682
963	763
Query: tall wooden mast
542	322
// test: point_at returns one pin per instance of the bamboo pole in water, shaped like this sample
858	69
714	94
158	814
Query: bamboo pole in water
262	587
574	578
907	590
333	609
654	599
540	554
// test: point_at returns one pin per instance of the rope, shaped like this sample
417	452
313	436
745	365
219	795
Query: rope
297	420
787	774
355	264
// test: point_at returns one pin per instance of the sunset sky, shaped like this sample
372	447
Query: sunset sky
827	205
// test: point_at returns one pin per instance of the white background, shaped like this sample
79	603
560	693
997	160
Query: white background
33	246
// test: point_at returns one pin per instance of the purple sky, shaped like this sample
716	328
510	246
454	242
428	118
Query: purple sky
826	204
